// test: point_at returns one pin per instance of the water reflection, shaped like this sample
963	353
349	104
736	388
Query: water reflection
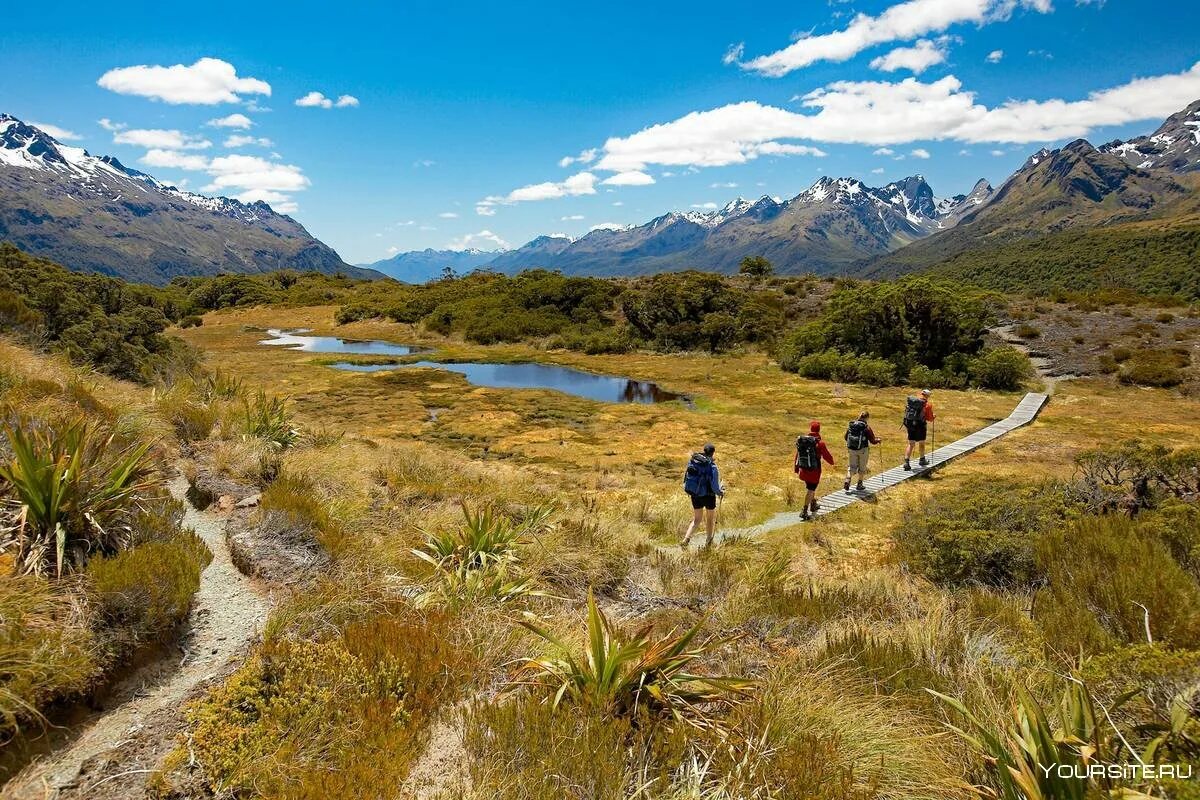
296	340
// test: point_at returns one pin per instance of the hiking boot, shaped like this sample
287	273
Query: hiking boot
907	466
846	485
683	543
923	462
815	506
805	516
860	487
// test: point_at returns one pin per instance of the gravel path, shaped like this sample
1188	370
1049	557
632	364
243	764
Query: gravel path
115	751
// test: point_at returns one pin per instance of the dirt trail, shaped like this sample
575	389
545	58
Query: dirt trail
115	751
1044	367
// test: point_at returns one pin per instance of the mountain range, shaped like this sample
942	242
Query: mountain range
94	214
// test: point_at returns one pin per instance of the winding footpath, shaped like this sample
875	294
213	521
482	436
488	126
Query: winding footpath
1025	413
119	748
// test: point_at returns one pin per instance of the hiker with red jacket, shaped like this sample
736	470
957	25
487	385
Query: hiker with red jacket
859	438
918	413
810	451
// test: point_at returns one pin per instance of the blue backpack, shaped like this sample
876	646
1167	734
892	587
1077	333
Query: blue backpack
698	477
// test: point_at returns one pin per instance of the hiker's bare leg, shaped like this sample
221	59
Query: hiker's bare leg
710	524
697	516
922	444
809	497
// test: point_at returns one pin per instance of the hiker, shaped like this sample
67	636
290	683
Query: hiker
810	450
859	438
918	413
702	482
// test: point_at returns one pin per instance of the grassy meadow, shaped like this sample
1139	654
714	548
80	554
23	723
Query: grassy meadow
500	611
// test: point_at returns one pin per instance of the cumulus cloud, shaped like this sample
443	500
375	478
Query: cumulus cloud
578	184
62	134
920	152
884	151
899	23
995	56
630	178
916	59
109	125
890	113
585	157
318	100
238	140
251	173
239	121
173	159
164	139
207	82
481	240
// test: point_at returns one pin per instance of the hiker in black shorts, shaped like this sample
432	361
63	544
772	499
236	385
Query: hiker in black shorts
918	413
702	482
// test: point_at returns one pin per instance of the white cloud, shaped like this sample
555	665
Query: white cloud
705	206
173	159
424	162
877	171
207	82
734	53
481	240
448	215
585	157
920	152
279	201
239	121
318	100
618	203
916	59
572	218
630	178
578	184
890	113
238	140
251	173
165	139
727	185
109	125
995	56
884	151
899	23
998	153
62	134
391	251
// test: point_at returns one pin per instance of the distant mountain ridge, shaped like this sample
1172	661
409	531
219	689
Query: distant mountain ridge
94	214
833	224
419	266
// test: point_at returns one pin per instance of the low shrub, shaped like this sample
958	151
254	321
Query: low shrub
1162	368
1107	583
47	648
1000	368
921	375
1027	331
982	533
300	502
267	418
142	593
844	367
191	321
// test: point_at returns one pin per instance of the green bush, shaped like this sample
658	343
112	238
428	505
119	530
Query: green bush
1000	368
1027	331
846	368
981	533
1177	525
1106	580
191	321
144	592
921	375
1161	368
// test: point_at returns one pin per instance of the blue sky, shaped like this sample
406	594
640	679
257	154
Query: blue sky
458	114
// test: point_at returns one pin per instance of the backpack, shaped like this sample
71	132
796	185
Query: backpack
807	456
856	435
697	478
914	411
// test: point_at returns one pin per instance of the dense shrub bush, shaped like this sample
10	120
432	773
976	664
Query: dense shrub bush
1162	368
1107	580
1000	368
982	533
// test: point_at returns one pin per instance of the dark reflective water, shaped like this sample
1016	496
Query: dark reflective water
296	340
605	388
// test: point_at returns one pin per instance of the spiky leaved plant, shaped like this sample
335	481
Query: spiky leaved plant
624	674
73	490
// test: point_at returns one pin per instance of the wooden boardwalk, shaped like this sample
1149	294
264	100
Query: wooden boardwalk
1025	413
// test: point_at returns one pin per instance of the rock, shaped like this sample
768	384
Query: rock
249	502
208	487
275	547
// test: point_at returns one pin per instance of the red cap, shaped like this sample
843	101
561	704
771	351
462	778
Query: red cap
814	427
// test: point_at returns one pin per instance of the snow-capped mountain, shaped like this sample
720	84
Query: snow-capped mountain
1175	146
832	224
92	213
419	266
